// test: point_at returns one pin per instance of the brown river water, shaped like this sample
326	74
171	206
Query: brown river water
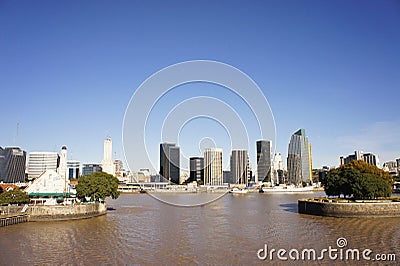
139	229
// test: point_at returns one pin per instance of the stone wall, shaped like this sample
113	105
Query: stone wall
10	210
69	212
350	209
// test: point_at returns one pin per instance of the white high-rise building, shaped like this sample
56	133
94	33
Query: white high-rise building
277	169
107	163
40	162
213	175
62	168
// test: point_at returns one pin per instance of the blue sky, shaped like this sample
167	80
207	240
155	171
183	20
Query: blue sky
69	68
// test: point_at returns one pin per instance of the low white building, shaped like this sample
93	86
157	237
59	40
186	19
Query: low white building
50	185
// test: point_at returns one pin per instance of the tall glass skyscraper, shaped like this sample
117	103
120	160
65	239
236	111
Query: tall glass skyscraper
299	161
264	152
12	165
170	162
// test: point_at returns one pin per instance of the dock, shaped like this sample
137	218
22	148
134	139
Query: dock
13	219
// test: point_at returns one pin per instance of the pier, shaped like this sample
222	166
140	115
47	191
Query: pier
13	219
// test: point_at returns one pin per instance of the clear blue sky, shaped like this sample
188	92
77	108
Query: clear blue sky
69	68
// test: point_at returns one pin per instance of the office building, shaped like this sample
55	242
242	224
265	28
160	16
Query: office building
88	169
227	177
107	164
118	166
196	165
73	169
12	165
299	160
264	151
213	167
240	167
170	162
144	175
390	167
398	166
277	169
40	162
369	158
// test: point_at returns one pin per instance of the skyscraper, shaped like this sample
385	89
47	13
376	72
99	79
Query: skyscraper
369	158
264	148
170	162
40	162
12	165
107	164
213	167
240	166
299	159
197	169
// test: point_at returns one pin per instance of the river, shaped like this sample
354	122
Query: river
139	229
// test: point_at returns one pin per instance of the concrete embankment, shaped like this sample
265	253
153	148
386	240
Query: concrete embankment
367	208
69	212
54	213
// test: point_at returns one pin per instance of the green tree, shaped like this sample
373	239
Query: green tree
359	180
98	185
14	196
336	182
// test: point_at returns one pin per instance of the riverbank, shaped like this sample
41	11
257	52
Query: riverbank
37	213
350	208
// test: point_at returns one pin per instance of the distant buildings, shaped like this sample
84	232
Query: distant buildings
118	167
12	165
240	167
196	165
278	169
369	158
107	164
73	169
398	166
170	162
213	167
40	162
391	167
264	151
299	160
227	177
143	175
88	169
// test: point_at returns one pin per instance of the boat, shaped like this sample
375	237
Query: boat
288	189
238	191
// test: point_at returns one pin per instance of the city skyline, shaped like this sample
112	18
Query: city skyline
320	61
